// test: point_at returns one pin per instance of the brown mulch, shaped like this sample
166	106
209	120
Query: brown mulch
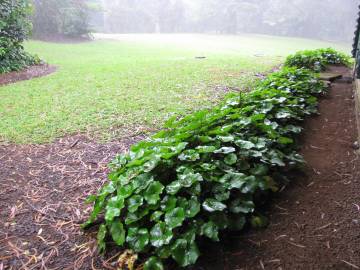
42	191
314	223
27	74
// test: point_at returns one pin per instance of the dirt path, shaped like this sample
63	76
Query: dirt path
314	223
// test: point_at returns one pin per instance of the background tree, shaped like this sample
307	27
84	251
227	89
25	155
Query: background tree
14	29
53	18
320	19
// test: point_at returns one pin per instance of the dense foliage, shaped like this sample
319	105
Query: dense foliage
275	17
14	29
53	18
317	60
209	171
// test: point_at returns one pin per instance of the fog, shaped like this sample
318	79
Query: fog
332	20
321	19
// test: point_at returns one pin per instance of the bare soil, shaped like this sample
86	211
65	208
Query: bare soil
27	74
314	222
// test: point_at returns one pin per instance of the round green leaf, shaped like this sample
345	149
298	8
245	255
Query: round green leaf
230	159
210	230
153	263
113	208
134	203
192	208
160	235
173	187
126	190
206	149
156	215
225	150
175	217
118	232
245	144
185	254
239	206
152	193
189	155
212	205
188	178
137	239
168	203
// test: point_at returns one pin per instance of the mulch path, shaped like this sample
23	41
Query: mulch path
314	223
27	74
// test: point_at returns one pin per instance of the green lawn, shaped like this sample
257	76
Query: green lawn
112	88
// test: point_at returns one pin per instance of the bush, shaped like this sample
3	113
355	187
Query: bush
14	29
207	172
317	60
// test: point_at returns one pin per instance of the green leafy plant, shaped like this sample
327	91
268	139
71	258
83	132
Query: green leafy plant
317	60
14	29
203	173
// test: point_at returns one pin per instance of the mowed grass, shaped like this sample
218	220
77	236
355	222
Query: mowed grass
128	84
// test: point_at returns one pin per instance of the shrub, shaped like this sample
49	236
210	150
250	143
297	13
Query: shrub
207	172
317	60
14	29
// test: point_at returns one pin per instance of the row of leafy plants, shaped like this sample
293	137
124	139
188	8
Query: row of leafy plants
317	60
209	171
14	29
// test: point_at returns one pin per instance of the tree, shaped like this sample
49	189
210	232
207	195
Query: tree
67	18
14	29
321	19
127	16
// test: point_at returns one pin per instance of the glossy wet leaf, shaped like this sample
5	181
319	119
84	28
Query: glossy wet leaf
160	235
152	193
134	203
210	230
241	206
185	254
230	159
137	238
173	187
189	155
153	263
118	232
212	205
225	150
245	144
175	217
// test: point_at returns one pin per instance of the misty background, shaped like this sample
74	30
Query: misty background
332	20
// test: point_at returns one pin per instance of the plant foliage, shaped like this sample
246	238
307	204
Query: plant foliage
14	29
204	173
317	60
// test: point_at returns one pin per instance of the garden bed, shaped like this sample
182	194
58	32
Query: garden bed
313	225
27	74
